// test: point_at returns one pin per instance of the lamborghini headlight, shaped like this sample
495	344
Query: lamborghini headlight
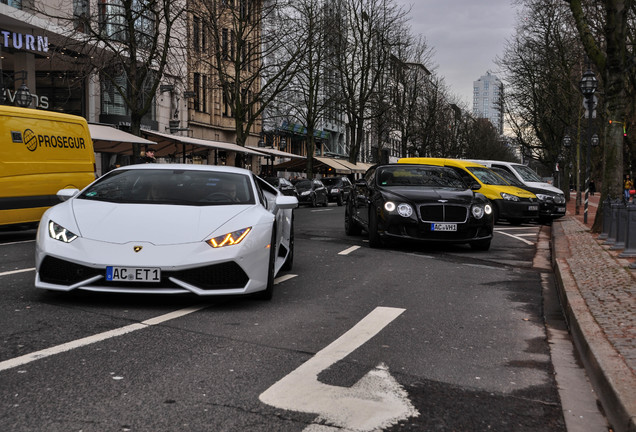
60	233
509	197
235	237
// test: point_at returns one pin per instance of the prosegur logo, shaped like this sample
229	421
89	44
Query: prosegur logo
32	140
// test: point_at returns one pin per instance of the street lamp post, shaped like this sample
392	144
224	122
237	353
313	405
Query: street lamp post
588	85
567	141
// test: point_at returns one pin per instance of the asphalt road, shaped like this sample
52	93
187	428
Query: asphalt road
412	337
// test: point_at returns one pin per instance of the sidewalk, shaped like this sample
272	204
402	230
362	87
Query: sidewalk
598	294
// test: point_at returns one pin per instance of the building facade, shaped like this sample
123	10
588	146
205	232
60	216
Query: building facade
488	100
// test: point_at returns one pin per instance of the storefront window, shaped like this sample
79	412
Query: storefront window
13	3
113	18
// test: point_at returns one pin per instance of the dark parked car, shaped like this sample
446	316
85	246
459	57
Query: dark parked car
418	202
282	184
339	188
312	192
551	204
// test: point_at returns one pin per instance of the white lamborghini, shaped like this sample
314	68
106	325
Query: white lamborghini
168	229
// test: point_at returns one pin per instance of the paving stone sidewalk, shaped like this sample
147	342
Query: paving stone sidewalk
598	292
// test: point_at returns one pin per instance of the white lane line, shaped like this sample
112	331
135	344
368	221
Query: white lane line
18	242
7	273
28	358
321	210
506	228
349	250
283	278
516	237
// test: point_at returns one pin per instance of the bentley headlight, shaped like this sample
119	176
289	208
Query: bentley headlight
478	212
389	206
60	233
509	197
544	197
488	209
405	210
559	199
229	239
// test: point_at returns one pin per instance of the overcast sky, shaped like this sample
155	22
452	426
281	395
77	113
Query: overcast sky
466	35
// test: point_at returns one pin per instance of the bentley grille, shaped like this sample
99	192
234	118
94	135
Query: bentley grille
443	213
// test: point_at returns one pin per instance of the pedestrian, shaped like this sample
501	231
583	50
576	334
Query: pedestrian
592	187
627	186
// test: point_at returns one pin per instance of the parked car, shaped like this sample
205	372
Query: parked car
312	192
418	202
167	229
551	204
514	204
339	188
282	184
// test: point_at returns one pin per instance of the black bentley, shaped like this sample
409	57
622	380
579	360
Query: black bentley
418	202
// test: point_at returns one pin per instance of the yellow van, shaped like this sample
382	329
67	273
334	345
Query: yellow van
41	152
514	204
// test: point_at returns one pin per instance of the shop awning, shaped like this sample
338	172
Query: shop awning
107	139
168	144
335	164
275	152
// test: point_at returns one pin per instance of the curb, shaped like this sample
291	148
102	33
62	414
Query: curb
612	379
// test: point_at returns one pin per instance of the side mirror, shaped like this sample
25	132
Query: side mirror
475	186
65	194
286	202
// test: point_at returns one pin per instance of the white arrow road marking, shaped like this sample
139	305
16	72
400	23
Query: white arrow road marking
375	402
515	237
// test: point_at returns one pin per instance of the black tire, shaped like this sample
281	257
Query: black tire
289	261
480	245
326	203
269	290
340	200
313	201
375	241
516	222
352	228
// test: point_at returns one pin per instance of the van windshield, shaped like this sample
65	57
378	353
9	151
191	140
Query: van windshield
174	187
527	174
487	176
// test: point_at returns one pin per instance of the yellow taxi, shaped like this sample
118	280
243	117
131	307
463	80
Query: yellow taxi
511	203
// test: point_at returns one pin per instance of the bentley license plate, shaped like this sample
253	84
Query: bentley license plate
133	274
443	227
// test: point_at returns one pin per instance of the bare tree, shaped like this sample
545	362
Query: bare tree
366	37
131	45
603	27
251	57
541	63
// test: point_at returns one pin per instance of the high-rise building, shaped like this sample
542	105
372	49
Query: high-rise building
488	100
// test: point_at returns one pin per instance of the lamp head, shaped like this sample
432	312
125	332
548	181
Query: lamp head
588	83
